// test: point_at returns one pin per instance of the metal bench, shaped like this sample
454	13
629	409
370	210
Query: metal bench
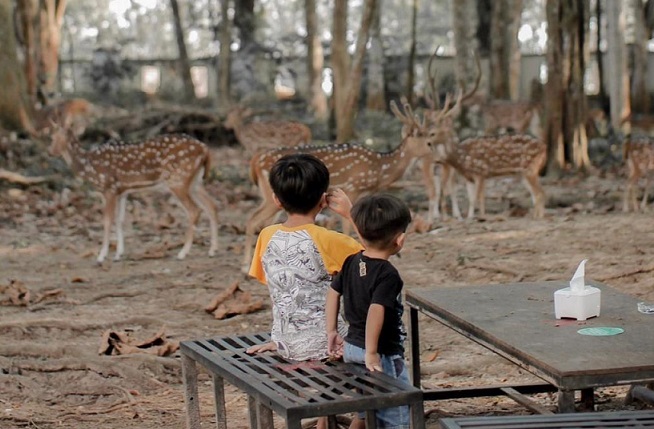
613	419
293	390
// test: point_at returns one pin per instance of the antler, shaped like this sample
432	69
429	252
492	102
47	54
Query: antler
408	117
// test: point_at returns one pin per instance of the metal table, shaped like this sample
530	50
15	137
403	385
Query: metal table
517	322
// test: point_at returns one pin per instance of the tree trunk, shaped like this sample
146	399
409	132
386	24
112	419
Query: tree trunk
412	53
464	15
348	87
505	50
224	56
339	58
553	121
184	65
619	82
244	21
484	13
639	95
576	33
15	110
26	10
51	19
315	63
375	89
600	57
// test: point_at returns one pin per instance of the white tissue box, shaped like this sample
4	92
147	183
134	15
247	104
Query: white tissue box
580	305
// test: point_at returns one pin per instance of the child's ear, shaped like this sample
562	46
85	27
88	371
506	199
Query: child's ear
277	202
323	201
399	241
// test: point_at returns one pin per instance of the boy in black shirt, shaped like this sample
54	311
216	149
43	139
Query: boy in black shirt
371	288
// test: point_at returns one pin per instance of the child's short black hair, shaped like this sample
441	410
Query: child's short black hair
299	181
380	218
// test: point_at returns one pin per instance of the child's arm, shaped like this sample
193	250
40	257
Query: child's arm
374	323
334	341
339	203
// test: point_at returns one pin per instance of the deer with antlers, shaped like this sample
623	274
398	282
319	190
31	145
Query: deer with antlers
179	162
481	158
355	169
638	155
485	157
263	135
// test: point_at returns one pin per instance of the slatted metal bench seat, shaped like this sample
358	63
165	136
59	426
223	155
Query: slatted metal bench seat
293	390
612	419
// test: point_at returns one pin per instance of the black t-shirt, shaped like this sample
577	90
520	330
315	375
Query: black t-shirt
364	281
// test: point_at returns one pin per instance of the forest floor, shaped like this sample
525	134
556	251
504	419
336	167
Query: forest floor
54	374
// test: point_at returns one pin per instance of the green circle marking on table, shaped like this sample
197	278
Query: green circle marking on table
600	331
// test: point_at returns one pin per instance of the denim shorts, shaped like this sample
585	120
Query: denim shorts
393	365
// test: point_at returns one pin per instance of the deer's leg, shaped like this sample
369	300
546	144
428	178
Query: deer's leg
193	213
537	194
630	193
643	203
480	184
471	187
449	186
107	220
433	190
120	218
208	205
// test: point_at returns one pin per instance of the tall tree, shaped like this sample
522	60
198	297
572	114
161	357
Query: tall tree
464	17
15	108
347	79
619	82
184	65
26	12
504	76
553	121
315	62
244	21
51	13
565	98
375	99
640	98
412	52
224	57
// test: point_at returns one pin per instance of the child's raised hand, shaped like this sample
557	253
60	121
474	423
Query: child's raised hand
339	202
373	362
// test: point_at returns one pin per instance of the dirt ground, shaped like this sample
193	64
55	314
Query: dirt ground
52	374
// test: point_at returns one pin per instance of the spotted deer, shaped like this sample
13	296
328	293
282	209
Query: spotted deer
638	155
485	157
178	162
265	134
354	168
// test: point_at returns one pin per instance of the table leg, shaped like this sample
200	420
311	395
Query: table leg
588	399
417	415
371	419
566	401
414	346
252	413
219	401
190	376
265	417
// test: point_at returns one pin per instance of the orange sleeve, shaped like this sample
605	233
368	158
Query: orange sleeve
256	267
334	248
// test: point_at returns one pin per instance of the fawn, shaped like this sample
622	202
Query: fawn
638	155
115	169
266	134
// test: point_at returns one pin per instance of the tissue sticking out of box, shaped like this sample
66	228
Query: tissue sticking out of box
577	284
578	301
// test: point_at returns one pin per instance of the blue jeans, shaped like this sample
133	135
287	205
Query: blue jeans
393	365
